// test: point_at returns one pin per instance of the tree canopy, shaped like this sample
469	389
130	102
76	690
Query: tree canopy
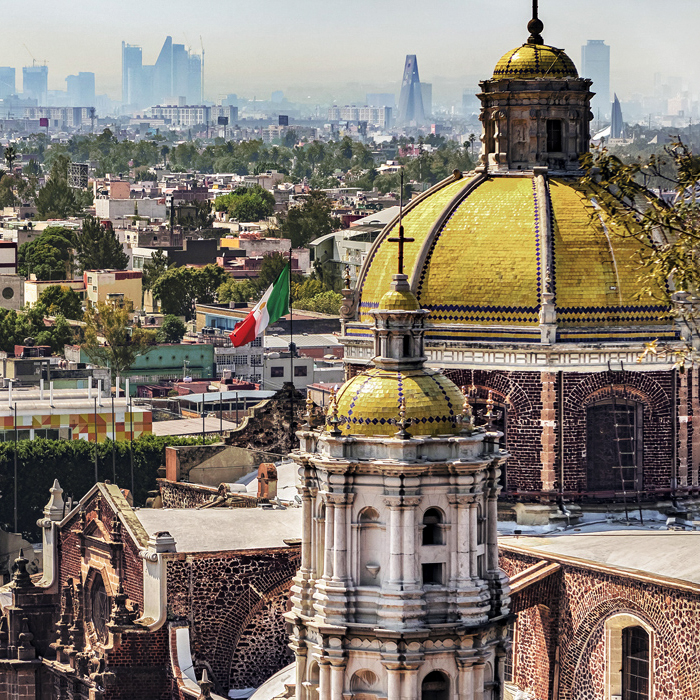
109	339
56	200
97	247
61	300
178	288
154	267
172	330
311	220
247	203
16	326
49	256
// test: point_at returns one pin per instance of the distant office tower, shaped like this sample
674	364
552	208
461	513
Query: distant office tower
470	101
194	80
381	99
617	126
176	75
35	83
595	64
133	78
411	111
7	82
230	99
426	91
81	89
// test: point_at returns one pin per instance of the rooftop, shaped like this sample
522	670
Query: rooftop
223	529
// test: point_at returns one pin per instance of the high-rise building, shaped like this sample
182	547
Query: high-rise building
133	81
381	99
81	89
617	126
35	83
411	112
7	82
426	91
595	64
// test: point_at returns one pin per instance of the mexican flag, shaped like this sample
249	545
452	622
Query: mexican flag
275	303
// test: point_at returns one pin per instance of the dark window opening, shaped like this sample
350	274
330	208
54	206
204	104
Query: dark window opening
406	346
432	532
432	574
435	686
614	447
554	136
277	371
508	664
635	664
300	371
99	602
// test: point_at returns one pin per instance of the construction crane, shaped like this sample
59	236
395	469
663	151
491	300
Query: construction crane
31	54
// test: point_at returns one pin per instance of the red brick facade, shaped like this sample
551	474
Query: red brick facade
560	640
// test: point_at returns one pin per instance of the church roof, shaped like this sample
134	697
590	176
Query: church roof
478	258
535	61
369	403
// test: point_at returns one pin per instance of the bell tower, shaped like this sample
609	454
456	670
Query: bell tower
535	110
399	594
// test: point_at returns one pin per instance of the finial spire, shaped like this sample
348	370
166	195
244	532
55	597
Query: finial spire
401	237
535	25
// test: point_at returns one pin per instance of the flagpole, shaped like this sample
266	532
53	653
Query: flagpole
291	355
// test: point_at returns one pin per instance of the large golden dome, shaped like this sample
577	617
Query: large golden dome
535	61
476	261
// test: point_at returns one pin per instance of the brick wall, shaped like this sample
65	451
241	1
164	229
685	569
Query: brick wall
234	602
569	613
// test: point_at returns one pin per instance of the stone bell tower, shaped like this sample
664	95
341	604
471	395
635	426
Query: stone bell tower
535	110
399	594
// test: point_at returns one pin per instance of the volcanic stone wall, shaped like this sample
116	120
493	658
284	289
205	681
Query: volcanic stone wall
567	613
234	603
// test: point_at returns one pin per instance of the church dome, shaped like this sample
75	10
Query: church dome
535	61
369	403
486	249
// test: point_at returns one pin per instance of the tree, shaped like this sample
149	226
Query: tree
179	288
172	330
324	303
247	203
154	267
109	339
97	247
667	229
10	156
50	256
309	221
233	290
56	200
60	300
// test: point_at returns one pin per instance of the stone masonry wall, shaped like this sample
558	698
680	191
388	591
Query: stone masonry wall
234	602
586	599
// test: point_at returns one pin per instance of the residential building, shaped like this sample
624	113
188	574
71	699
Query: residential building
315	345
186	115
119	209
280	367
114	286
595	64
374	116
33	288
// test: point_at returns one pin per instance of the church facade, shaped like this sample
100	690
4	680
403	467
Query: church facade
532	298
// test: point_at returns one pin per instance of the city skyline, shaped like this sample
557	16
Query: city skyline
252	53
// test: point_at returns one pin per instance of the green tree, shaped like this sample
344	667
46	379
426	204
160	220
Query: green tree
172	330
60	300
247	203
10	156
324	303
32	169
50	256
109	339
233	290
154	267
309	221
179	288
56	199
98	248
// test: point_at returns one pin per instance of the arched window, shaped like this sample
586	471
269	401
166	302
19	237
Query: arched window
635	663
312	681
629	644
435	686
432	527
614	452
100	607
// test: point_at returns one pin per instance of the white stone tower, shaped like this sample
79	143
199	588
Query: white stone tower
399	594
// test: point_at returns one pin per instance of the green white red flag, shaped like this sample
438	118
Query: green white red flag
274	303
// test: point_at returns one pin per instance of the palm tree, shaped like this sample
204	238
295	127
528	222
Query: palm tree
10	156
472	140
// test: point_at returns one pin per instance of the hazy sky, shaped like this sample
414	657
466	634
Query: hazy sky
314	49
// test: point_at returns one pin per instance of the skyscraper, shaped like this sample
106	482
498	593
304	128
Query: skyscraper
411	111
7	82
595	64
81	89
35	83
617	126
426	90
135	81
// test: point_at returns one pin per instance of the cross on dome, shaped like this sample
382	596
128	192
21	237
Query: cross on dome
401	239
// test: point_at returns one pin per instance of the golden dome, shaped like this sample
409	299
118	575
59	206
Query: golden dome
369	403
477	260
398	300
535	61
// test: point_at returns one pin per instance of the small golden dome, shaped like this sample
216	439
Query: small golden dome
395	300
535	61
369	403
